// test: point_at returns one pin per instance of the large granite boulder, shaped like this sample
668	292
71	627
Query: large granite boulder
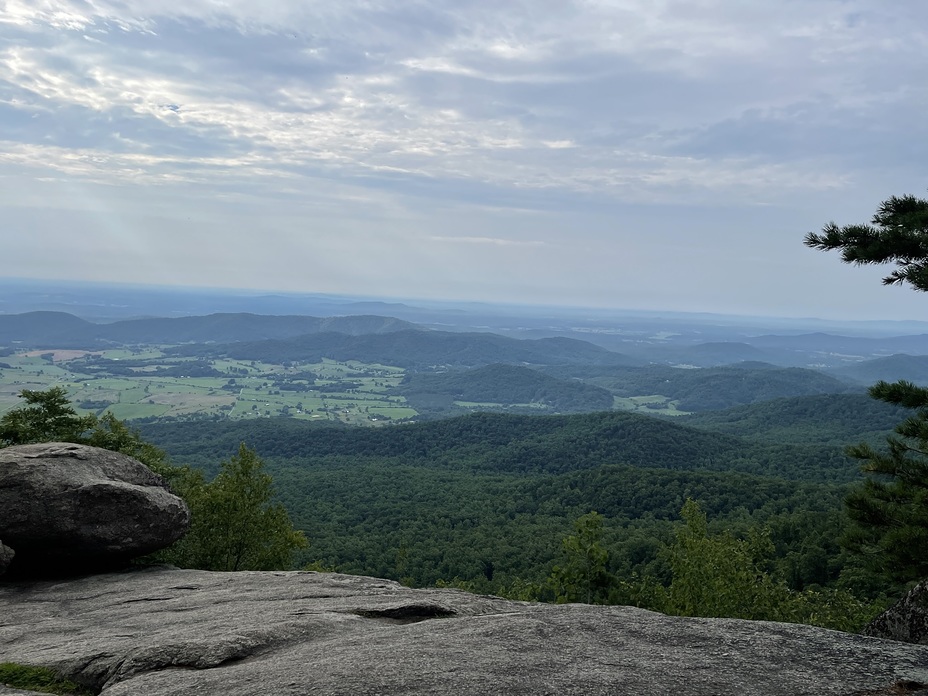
906	620
71	508
169	632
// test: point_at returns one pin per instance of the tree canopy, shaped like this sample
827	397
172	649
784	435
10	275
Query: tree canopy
47	417
235	523
898	233
890	509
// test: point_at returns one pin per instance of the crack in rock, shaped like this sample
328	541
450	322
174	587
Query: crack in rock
407	613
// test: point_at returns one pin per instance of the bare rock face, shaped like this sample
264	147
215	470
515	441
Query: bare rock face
68	508
162	631
906	620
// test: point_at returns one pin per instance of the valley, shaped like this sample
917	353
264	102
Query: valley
478	451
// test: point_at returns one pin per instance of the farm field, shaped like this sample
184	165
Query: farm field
148	382
654	404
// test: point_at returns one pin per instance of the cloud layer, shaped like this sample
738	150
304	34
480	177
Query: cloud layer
471	147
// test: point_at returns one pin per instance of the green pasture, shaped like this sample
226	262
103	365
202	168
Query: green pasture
254	393
653	404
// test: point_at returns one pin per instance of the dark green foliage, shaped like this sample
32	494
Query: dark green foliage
49	417
46	417
40	679
820	419
890	509
710	388
898	234
235	524
450	499
713	574
725	576
503	443
504	385
720	575
582	575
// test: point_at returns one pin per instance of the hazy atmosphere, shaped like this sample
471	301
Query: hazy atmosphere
645	155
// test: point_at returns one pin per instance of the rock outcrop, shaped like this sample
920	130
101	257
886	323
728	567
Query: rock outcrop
66	508
906	620
161	631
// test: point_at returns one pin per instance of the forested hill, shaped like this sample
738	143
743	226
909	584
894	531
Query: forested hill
503	443
489	497
417	350
502	385
825	419
62	330
710	388
913	368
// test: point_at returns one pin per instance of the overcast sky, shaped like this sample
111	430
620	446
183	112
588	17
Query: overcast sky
645	154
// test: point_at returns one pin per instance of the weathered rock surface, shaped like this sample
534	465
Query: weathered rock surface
906	620
65	507
162	631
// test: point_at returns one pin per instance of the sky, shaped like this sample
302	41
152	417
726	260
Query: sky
639	154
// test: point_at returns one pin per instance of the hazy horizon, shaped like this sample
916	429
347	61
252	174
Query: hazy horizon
652	156
28	294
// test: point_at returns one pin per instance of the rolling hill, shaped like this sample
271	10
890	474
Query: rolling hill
413	349
710	388
913	368
61	330
825	419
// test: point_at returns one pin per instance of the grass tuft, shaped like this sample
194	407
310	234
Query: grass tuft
39	679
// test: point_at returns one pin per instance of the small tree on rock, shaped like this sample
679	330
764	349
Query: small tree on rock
235	525
47	417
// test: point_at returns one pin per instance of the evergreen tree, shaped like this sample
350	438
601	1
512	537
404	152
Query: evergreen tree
898	234
890	509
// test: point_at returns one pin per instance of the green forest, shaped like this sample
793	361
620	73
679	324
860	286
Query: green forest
518	467
486	501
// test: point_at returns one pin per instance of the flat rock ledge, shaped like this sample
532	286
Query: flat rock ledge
163	631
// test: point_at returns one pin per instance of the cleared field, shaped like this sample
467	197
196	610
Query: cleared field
60	355
135	384
654	404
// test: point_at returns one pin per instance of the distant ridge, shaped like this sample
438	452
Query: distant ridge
839	419
419	349
59	329
711	388
852	345
913	368
505	385
43	329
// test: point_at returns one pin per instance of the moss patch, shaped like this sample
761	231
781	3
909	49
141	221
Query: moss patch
39	679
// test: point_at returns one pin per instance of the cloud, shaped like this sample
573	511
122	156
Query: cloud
417	112
492	241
